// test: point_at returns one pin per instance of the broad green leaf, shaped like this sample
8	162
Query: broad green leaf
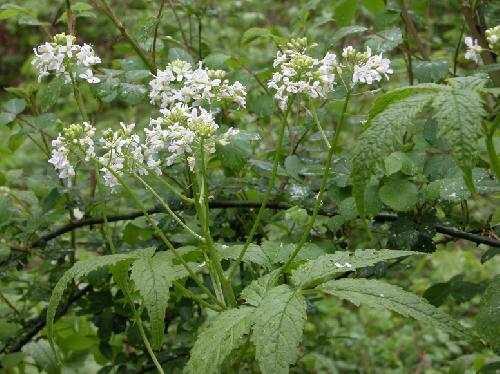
388	120
293	166
235	154
42	354
339	262
152	278
346	31
399	194
374	6
278	326
253	254
79	270
49	93
216	60
383	295
258	288
488	318
179	54
12	10
215	343
6	118
430	71
255	33
14	106
344	12
459	112
385	41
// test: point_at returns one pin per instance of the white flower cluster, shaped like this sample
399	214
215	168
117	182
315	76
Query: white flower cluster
180	131
62	55
122	149
74	135
493	38
473	49
179	83
367	68
300	73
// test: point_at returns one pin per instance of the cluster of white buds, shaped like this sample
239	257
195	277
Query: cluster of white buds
493	39
300	73
366	68
179	83
473	49
62	56
179	132
77	137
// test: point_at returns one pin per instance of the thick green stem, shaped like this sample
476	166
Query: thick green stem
324	180
160	233
490	147
214	256
167	208
267	195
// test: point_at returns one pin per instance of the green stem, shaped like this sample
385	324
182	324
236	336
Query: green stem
172	188
267	195
108	235
490	147
78	96
148	345
324	180
119	25
71	18
124	288
167	208
318	124
160	233
214	256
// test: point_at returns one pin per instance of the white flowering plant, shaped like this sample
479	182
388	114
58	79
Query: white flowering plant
202	204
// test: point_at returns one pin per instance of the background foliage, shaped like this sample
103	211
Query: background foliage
401	165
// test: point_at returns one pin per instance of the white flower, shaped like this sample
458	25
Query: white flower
77	213
299	73
369	69
493	38
62	56
180	132
180	83
473	49
76	135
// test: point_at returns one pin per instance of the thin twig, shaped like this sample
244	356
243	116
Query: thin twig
155	36
412	30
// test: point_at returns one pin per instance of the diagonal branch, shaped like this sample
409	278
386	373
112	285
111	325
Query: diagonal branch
246	204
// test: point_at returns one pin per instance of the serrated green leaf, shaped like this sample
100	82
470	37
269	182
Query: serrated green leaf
42	355
387	122
253	254
255	33
346	31
152	278
430	71
488	318
459	113
6	118
215	343
278	326
330	264
383	295
79	270
14	106
179	54
48	93
399	194
258	288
